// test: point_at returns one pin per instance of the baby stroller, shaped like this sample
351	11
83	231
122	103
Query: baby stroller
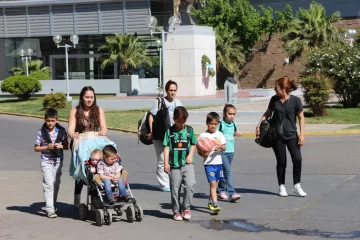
96	206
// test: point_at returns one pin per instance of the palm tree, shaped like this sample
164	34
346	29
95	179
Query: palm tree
33	66
311	29
229	52
125	48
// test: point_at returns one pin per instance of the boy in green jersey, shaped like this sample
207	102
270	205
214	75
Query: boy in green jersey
179	143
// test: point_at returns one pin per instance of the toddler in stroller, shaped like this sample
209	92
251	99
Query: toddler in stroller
107	187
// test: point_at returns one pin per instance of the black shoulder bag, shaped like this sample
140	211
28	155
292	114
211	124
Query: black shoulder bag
269	133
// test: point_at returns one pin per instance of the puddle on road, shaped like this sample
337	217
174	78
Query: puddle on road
244	226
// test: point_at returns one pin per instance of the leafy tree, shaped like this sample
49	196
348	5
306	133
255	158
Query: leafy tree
215	13
316	93
229	53
125	48
341	63
311	29
239	15
284	18
33	66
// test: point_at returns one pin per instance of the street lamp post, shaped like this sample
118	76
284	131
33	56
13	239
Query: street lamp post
26	55
160	54
75	40
151	22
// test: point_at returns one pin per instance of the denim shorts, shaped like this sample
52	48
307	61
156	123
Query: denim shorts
214	173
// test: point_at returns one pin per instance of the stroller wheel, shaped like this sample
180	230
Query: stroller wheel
108	217
119	212
83	212
99	216
139	214
130	214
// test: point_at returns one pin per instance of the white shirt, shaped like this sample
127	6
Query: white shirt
170	105
214	158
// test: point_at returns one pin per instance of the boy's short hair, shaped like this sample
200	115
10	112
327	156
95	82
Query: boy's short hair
97	151
51	113
180	113
212	116
108	150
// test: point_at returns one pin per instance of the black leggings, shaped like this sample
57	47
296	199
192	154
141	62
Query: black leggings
279	148
78	186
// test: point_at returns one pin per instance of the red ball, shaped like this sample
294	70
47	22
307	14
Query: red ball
205	145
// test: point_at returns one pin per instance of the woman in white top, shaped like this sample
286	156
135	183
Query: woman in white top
171	103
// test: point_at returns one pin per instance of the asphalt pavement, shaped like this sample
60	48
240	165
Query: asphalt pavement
330	177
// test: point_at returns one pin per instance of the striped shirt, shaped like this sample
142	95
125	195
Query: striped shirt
46	155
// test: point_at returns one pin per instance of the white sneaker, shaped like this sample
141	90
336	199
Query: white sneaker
77	200
282	191
298	190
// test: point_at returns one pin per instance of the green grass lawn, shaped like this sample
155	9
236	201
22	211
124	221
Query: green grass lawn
336	115
126	119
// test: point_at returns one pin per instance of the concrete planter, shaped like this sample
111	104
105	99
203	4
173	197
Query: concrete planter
129	84
260	92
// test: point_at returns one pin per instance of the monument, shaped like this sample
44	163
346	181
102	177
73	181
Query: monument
190	55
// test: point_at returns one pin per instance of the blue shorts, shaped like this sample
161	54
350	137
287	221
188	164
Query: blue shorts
214	173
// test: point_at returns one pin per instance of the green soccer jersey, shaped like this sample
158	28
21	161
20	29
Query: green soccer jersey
179	143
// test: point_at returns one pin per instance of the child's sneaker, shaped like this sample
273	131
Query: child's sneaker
282	191
214	207
178	217
235	197
186	215
298	190
51	215
223	196
165	189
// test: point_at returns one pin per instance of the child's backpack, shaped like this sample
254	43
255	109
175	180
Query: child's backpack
144	129
220	127
161	121
45	134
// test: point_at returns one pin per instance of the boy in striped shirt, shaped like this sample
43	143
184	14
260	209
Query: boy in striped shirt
179	143
51	140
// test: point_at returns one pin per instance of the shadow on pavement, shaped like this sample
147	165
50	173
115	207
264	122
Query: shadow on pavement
65	210
142	186
192	207
254	191
157	213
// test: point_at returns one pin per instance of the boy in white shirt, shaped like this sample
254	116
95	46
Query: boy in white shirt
212	159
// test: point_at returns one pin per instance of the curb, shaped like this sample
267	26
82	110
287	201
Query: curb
313	133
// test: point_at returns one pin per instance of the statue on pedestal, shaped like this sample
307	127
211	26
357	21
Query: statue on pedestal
189	4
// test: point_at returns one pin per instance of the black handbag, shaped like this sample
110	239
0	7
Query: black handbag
269	133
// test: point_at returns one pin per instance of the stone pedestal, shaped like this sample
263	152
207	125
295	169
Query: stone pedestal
183	52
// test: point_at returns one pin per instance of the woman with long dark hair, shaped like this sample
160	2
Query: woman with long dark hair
85	117
284	109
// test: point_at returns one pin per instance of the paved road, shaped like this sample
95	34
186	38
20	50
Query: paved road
330	177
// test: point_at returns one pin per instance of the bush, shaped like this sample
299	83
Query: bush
40	75
316	93
342	64
54	100
21	86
